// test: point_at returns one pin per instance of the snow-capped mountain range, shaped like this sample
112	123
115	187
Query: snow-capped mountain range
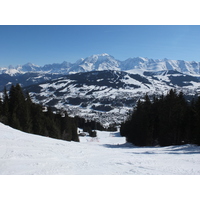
105	61
101	87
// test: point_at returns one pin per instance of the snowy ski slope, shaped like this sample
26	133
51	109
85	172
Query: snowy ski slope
108	154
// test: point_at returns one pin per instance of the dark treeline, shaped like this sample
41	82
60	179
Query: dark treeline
18	111
168	120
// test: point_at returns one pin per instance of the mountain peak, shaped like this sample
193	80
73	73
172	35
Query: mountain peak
103	54
99	55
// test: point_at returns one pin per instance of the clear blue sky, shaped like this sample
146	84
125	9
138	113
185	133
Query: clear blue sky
54	44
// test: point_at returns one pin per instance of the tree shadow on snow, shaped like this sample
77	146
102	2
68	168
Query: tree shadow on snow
183	149
125	145
179	149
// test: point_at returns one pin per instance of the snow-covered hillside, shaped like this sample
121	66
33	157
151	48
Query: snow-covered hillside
108	96
23	153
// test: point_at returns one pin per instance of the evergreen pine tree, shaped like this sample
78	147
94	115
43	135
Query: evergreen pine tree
1	105
28	118
38	120
196	121
1	109
5	107
19	113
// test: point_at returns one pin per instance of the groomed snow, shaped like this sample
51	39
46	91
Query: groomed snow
23	153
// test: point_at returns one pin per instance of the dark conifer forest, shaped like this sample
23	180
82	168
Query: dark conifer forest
18	111
167	120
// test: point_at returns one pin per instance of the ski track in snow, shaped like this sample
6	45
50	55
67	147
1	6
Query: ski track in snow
109	154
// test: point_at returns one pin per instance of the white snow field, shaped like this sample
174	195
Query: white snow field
108	154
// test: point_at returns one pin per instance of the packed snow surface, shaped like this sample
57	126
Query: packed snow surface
108	153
